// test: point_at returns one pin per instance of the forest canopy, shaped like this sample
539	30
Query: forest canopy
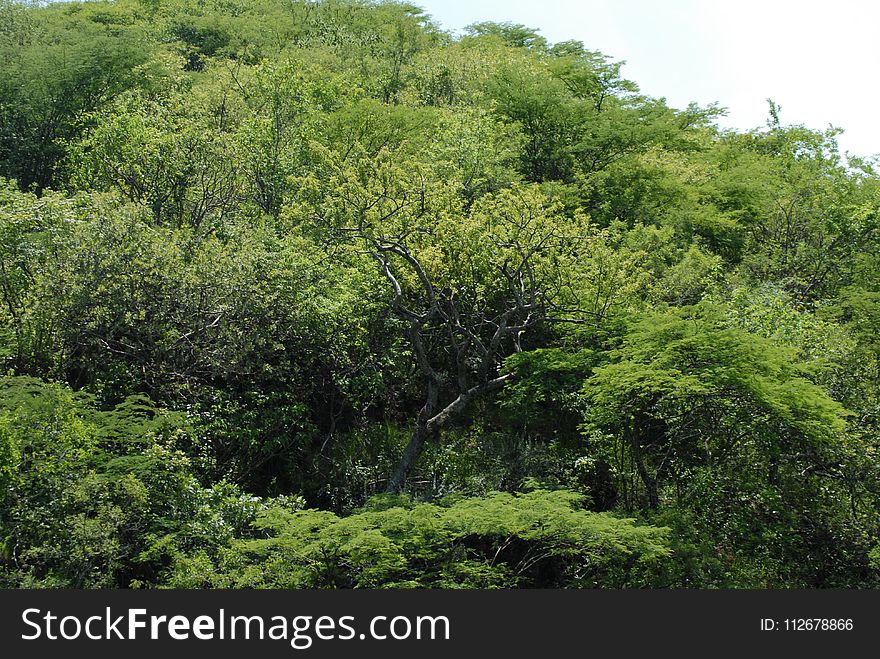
300	293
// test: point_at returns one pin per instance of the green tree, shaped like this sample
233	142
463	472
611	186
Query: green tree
536	539
57	64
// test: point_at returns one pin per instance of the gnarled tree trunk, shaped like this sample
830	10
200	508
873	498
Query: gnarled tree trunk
427	425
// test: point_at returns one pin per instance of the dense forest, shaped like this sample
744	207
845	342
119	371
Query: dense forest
301	293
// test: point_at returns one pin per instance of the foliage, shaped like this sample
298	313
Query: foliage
58	64
500	540
262	261
100	498
725	429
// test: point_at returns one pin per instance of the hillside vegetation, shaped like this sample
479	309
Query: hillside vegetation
314	294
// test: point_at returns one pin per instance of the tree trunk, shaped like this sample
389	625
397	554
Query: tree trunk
427	425
649	481
408	460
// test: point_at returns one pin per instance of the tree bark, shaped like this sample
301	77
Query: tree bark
427	425
649	481
408	460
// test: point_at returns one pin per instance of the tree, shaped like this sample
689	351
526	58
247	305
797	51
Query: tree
467	289
725	434
58	64
95	498
535	539
165	154
687	391
511	34
805	213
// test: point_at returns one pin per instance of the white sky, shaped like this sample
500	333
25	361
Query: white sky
820	61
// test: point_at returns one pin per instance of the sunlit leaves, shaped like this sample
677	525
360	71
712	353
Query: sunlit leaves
501	540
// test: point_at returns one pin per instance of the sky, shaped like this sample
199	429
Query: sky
818	60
